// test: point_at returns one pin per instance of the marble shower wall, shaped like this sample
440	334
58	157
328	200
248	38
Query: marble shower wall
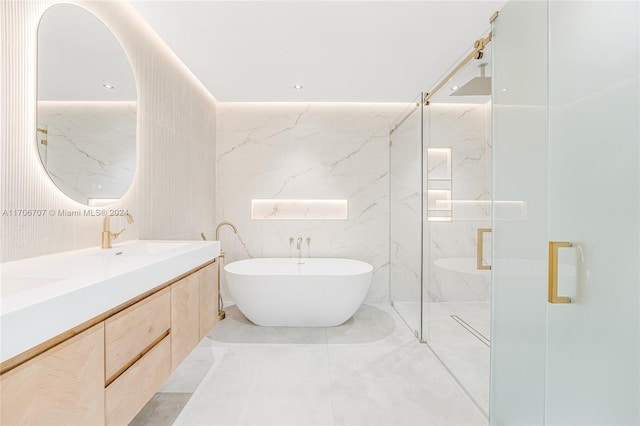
173	192
450	263
307	151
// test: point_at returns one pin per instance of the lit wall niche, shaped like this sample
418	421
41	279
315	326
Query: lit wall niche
439	185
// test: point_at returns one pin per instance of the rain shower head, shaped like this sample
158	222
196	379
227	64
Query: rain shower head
477	86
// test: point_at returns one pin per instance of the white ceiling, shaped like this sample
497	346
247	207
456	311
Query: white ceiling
345	51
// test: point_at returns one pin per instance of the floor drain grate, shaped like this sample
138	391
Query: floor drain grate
471	330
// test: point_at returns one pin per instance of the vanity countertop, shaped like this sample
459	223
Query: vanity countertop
42	297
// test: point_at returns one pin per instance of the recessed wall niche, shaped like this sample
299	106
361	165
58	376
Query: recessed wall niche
439	185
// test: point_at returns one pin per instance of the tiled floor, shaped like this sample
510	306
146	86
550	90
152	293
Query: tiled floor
463	345
459	334
369	371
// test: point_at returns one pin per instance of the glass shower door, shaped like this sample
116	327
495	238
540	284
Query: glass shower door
592	373
405	216
458	190
520	223
566	150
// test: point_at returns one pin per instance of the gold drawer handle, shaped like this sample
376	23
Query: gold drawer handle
480	250
553	272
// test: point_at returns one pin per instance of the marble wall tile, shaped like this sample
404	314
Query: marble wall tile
307	151
173	191
405	222
440	256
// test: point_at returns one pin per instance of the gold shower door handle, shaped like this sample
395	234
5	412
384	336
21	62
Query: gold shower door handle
553	272
480	250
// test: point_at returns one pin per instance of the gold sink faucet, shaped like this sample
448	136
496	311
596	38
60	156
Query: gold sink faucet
107	235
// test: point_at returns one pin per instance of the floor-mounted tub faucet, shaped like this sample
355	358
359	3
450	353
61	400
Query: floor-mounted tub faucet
221	312
225	223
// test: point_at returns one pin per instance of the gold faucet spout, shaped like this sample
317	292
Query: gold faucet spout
225	223
107	235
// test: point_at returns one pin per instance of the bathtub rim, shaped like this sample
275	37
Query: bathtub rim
367	267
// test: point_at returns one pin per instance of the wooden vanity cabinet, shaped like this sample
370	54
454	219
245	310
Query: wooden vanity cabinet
108	372
208	282
133	332
137	356
126	396
194	311
62	386
185	318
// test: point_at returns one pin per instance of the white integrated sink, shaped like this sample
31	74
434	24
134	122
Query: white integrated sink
42	297
142	248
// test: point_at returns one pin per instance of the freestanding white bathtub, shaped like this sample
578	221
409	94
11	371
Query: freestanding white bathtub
289	292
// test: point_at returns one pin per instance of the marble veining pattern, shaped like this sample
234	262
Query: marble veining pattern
307	151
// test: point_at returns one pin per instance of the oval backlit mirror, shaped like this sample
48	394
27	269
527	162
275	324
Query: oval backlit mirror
86	107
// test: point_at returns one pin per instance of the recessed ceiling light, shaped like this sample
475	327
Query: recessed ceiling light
108	86
454	87
297	86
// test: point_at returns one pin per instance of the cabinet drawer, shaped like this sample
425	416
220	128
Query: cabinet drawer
132	331
126	396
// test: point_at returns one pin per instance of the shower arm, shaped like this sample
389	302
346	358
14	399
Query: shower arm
478	47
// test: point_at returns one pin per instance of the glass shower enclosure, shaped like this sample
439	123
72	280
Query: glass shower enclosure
406	212
542	185
440	223
566	274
